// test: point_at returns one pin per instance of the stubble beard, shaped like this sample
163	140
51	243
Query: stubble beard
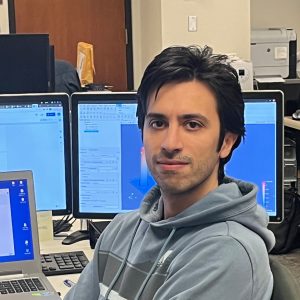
174	183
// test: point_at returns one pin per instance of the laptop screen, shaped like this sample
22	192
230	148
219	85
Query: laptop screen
16	242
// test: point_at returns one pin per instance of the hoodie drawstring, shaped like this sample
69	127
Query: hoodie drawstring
162	250
123	262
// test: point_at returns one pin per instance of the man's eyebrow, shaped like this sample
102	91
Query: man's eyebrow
193	116
188	116
155	116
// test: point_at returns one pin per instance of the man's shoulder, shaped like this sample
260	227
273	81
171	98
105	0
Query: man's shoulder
244	234
125	217
234	230
123	220
235	234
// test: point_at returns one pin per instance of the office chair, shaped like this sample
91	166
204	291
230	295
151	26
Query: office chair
285	285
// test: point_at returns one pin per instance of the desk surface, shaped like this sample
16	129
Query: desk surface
56	246
289	122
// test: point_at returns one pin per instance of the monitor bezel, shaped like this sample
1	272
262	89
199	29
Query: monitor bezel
10	99
278	96
90	97
77	98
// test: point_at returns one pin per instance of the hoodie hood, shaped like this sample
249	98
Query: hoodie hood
233	200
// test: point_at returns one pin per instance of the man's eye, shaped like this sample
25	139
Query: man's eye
193	125
157	124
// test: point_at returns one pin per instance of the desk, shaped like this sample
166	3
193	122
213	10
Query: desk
56	246
289	122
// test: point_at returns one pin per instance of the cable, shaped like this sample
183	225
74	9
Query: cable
63	225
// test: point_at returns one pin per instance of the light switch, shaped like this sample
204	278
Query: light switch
192	23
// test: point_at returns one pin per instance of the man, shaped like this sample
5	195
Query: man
198	234
66	77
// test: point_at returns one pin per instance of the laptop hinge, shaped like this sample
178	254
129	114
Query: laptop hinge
10	275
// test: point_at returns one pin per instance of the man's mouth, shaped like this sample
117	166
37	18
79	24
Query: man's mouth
171	164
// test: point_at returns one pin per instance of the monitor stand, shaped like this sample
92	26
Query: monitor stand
82	234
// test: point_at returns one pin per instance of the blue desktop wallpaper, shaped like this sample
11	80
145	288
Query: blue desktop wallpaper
133	186
20	215
254	161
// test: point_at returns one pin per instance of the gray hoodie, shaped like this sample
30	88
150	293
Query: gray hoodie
215	249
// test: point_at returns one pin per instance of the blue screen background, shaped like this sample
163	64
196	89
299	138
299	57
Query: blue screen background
20	214
133	190
115	127
254	161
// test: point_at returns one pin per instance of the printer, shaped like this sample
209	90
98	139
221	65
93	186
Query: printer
244	70
274	52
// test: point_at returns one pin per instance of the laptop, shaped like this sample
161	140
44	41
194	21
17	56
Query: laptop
21	274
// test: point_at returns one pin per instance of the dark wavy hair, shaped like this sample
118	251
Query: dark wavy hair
181	64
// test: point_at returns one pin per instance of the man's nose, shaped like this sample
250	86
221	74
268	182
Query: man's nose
172	139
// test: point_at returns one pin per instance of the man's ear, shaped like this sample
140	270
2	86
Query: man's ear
228	141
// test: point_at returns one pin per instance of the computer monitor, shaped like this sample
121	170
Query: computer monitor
35	135
25	63
110	175
259	159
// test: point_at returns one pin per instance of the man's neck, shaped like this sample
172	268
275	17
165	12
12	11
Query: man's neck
178	202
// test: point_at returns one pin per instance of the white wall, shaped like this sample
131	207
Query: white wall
223	25
276	13
146	31
4	23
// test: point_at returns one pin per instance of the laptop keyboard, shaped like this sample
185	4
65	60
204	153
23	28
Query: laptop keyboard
21	286
63	263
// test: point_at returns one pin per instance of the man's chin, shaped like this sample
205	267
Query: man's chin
172	188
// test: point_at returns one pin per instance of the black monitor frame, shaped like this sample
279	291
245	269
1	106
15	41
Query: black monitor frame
51	84
129	97
278	96
23	99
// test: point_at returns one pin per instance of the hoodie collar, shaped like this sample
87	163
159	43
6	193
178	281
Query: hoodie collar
233	200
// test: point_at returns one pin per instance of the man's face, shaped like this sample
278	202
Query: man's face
181	134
